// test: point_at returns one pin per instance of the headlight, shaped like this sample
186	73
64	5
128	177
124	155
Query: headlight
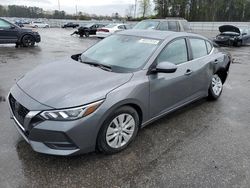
71	113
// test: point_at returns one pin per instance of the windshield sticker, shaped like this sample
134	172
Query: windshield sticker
149	41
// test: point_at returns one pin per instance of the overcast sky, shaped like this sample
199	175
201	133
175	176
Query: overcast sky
100	7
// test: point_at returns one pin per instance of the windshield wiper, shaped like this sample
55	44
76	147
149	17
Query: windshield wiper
104	67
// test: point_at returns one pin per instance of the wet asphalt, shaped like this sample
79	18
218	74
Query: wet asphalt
206	144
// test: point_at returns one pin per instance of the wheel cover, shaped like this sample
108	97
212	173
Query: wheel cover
120	130
28	41
217	85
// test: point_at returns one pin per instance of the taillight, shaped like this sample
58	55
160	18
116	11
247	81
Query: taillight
103	30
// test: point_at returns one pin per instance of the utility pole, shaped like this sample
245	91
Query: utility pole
59	6
76	9
135	8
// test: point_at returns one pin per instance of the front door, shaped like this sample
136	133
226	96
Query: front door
170	90
8	32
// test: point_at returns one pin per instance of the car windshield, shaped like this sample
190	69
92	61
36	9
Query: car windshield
89	25
121	52
147	25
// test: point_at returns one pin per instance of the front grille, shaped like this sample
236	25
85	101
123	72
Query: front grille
19	111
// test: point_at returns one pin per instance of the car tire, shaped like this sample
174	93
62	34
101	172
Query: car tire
118	130
28	41
86	34
216	87
239	43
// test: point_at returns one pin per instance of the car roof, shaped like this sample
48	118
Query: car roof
156	34
167	19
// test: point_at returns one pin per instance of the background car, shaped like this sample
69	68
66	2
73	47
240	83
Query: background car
11	33
22	23
39	24
70	24
110	29
112	89
168	24
89	29
232	36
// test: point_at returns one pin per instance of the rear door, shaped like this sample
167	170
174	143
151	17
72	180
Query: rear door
201	65
8	32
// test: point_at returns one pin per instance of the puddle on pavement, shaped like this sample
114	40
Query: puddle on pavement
2	99
2	61
236	61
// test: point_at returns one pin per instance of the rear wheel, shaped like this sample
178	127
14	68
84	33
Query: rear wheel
28	41
215	88
239	43
118	131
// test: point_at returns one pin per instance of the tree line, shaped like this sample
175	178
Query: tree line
192	10
36	12
204	10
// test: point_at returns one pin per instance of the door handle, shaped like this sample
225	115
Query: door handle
188	72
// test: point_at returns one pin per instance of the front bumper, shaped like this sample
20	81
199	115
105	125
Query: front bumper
55	137
226	42
37	37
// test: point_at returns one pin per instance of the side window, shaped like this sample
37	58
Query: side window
199	47
163	26
4	24
172	26
185	25
121	27
209	47
175	52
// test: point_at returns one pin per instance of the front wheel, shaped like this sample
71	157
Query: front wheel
215	88
28	41
119	130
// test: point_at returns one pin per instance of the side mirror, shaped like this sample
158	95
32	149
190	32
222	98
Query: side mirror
165	67
12	27
76	57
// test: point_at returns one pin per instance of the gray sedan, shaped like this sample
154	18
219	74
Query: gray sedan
101	98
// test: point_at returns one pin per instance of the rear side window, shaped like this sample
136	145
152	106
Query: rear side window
175	52
185	25
209	47
199	48
173	26
121	27
163	26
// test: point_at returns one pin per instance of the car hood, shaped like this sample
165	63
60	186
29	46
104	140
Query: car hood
70	83
229	28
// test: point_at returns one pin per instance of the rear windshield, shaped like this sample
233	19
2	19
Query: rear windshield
147	25
111	25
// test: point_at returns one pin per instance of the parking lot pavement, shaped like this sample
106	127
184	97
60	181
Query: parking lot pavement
203	145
